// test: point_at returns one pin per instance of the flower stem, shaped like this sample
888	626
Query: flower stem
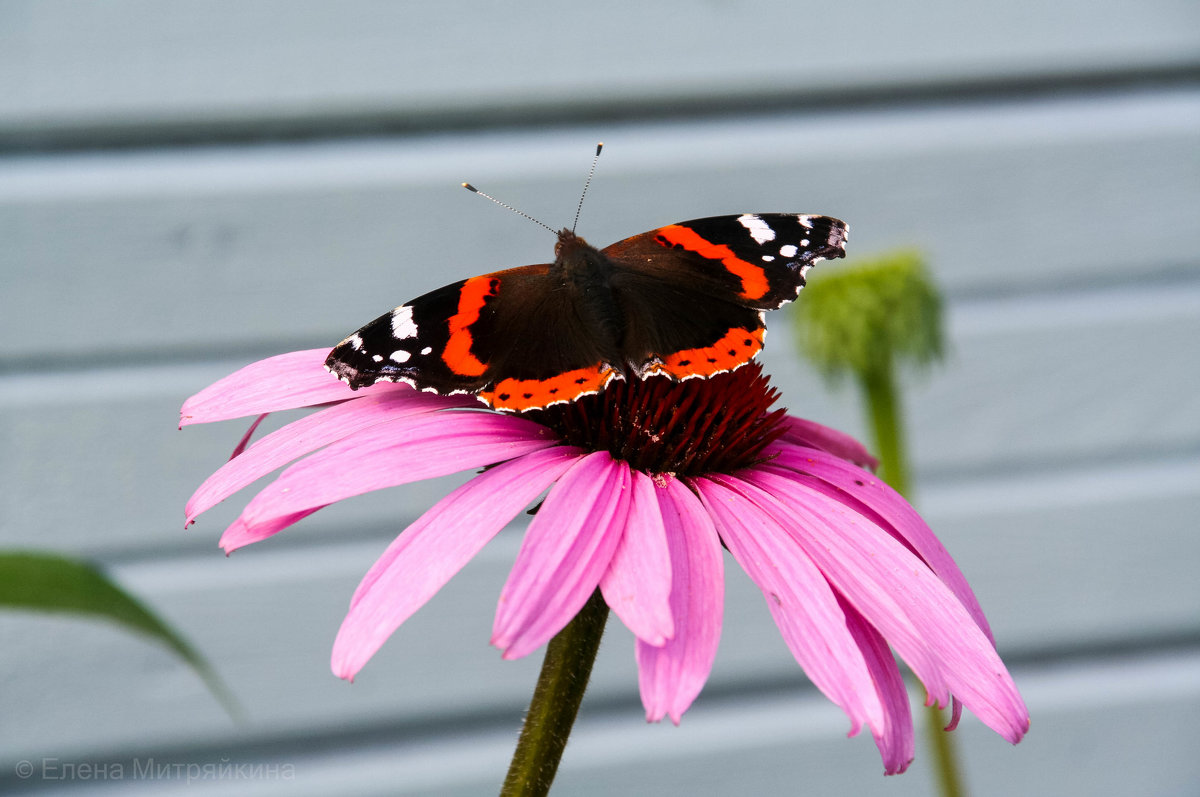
948	774
883	409
883	406
560	687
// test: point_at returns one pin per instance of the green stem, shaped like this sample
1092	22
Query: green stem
883	406
883	409
560	687
948	774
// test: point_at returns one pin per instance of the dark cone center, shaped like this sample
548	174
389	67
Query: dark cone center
688	428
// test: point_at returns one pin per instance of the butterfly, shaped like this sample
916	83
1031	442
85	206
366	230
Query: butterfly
685	301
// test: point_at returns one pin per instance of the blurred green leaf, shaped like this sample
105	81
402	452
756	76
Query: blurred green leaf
44	582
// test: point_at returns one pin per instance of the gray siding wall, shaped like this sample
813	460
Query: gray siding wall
185	187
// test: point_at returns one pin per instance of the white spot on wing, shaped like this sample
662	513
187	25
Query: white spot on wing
403	326
759	230
355	342
427	351
768	258
400	356
788	250
377	358
805	221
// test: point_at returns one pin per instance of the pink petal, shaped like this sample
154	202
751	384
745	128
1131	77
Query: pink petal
306	435
397	452
887	508
801	601
430	551
637	584
245	441
900	596
283	382
895	740
565	552
956	708
239	535
670	677
840	444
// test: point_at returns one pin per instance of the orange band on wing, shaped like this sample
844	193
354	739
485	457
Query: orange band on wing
735	349
471	299
754	278
529	394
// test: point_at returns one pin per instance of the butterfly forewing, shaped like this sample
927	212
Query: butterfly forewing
405	345
755	259
520	324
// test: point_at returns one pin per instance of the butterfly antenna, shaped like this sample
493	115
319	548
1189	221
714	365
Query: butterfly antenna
591	171
475	190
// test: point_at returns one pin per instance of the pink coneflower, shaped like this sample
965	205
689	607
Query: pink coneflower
641	486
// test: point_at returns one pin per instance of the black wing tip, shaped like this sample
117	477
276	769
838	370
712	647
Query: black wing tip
353	377
835	244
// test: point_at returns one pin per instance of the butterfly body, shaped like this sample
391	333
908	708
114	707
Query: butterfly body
685	301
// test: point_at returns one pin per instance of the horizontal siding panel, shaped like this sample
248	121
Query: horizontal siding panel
786	746
1025	389
1052	575
1077	383
202	250
1110	726
138	63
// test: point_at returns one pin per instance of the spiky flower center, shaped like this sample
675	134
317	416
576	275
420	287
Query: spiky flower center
658	425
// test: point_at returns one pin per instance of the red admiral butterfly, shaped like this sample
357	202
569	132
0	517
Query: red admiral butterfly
685	300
